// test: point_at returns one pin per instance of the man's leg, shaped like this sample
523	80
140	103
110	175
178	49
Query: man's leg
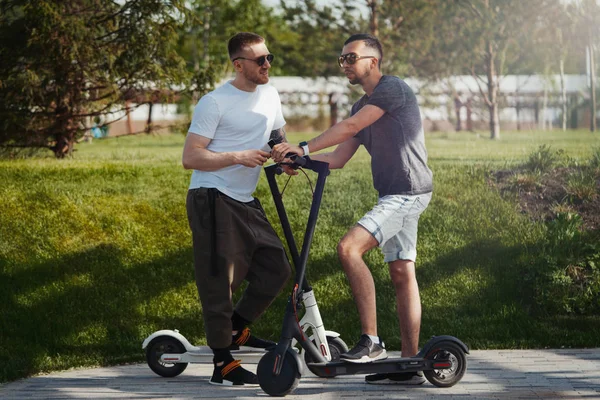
214	283
408	304
351	249
268	273
400	251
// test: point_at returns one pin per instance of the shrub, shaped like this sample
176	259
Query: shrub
595	160
542	159
567	278
527	182
581	186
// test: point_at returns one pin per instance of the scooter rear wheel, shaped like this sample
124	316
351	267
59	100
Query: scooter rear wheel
159	346
286	381
336	347
456	368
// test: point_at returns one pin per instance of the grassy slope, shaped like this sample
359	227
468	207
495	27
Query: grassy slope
95	252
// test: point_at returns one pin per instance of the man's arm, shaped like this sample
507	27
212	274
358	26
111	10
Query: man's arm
197	156
337	134
278	135
340	156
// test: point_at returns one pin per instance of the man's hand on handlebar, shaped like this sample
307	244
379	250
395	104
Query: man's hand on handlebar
289	170
281	150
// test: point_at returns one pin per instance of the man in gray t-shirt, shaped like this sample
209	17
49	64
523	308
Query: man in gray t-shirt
395	141
387	121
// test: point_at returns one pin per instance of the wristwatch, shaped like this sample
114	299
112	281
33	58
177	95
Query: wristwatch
304	146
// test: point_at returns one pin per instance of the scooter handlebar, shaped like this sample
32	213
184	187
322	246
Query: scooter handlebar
296	162
300	161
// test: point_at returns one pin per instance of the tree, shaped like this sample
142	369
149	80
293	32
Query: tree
487	39
67	61
556	47
406	32
588	16
317	36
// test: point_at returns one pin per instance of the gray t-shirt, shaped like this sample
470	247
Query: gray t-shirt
396	141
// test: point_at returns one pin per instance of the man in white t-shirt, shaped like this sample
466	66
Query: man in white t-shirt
232	239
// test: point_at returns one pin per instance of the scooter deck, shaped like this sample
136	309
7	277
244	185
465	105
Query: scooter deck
392	364
204	355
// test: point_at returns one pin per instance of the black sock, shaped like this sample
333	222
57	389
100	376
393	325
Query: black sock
221	355
238	323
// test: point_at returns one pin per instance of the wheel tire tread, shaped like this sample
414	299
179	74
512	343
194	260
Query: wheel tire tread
459	353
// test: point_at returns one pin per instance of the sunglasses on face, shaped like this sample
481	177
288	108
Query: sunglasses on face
350	58
260	60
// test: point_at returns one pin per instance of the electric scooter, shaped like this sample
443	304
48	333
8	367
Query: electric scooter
442	359
168	352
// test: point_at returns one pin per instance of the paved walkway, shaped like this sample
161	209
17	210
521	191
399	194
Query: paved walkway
491	374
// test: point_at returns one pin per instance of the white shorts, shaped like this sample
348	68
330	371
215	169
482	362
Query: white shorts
393	222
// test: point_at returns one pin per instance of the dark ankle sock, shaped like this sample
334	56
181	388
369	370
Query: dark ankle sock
221	355
238	323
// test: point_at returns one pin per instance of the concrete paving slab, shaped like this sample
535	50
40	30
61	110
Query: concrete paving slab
491	374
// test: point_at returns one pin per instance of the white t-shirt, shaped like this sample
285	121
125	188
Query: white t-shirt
235	120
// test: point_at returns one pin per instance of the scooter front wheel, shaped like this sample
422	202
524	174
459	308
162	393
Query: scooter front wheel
165	345
286	381
452	363
336	347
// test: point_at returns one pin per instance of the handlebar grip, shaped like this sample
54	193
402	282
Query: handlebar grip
301	161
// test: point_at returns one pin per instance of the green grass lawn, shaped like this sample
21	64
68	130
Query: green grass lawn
95	252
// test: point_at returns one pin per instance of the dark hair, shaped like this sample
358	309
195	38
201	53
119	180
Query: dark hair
369	41
241	40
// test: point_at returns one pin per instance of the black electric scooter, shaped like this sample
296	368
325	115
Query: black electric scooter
442	359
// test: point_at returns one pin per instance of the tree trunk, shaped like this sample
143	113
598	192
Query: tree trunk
592	89
457	106
574	112
563	90
469	106
63	131
518	108
492	87
129	121
149	123
62	147
373	23
545	109
333	108
494	122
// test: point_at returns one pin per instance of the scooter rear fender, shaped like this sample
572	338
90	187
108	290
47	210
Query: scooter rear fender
168	332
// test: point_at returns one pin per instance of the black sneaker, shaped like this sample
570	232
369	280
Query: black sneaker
232	374
365	351
246	339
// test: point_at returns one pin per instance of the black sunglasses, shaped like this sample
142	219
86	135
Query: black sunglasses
260	60
350	58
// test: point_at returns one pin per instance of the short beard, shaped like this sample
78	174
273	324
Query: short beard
256	79
359	81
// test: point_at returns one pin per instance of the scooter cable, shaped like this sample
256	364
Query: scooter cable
312	190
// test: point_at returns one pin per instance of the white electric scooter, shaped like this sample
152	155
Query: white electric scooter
168	352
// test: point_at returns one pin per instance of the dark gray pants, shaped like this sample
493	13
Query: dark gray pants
247	248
